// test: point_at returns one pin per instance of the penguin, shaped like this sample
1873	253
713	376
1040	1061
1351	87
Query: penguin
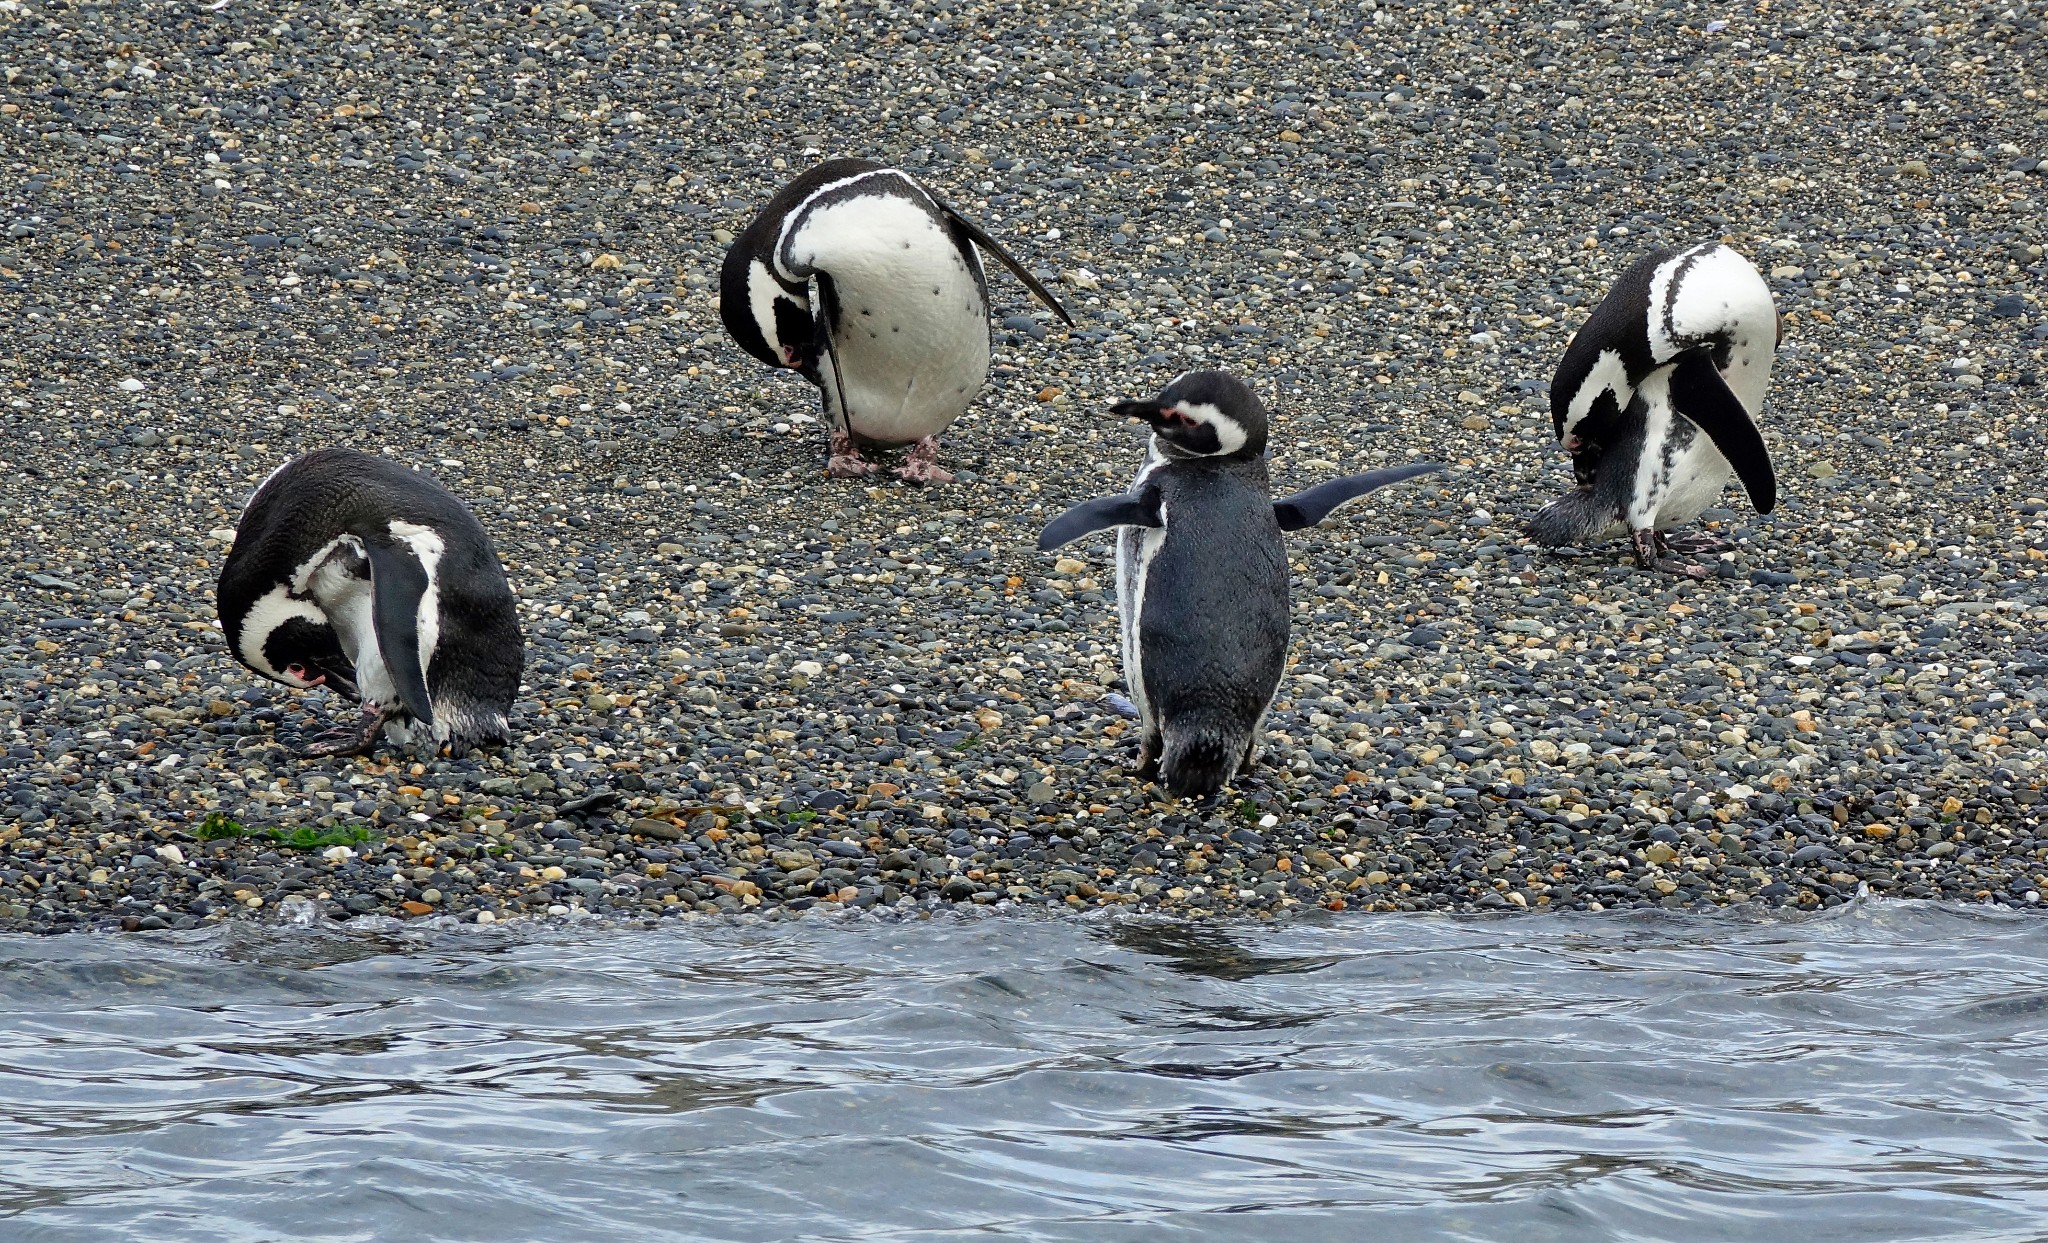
871	287
351	571
1201	570
1657	400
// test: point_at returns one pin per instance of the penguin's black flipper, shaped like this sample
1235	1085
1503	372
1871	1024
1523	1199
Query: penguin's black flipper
825	300
1699	393
398	583
1306	509
1100	514
992	246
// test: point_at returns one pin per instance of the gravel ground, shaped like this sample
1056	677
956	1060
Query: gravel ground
486	240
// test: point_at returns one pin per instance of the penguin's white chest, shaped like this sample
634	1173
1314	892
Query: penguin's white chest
1698	476
910	348
348	601
1136	548
1680	472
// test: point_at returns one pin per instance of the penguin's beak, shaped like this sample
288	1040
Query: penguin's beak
1150	411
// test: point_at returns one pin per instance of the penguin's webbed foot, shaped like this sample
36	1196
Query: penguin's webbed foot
846	461
1650	556
356	739
922	466
1693	543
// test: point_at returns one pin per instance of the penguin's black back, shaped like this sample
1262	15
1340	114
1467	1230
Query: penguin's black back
1620	323
1213	623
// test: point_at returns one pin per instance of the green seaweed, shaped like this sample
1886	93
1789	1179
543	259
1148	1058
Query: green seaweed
218	826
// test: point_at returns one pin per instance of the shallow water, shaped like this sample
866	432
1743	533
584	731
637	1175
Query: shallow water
1874	1073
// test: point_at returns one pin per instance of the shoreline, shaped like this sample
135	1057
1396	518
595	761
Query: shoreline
1389	224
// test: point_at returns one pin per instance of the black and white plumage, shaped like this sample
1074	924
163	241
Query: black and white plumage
353	572
871	287
1202	589
1657	400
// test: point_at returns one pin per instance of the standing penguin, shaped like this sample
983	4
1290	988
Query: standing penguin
1202	576
1681	346
353	572
870	287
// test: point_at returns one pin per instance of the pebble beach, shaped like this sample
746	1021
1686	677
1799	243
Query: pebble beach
485	241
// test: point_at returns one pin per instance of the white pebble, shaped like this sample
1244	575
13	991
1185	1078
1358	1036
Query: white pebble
337	854
170	854
131	385
809	668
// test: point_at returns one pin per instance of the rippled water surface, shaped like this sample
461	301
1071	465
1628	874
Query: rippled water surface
1876	1073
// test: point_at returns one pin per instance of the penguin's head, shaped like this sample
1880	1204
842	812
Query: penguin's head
771	317
305	654
796	336
1203	414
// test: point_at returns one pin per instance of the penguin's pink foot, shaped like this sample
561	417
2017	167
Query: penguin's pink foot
1693	543
1649	556
354	739
922	466
846	462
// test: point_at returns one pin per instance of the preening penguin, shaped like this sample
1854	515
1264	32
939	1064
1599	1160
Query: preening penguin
1201	575
871	287
353	572
1682	345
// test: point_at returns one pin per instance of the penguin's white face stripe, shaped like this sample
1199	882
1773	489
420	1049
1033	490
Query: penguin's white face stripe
273	609
427	545
1607	375
1230	434
762	291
